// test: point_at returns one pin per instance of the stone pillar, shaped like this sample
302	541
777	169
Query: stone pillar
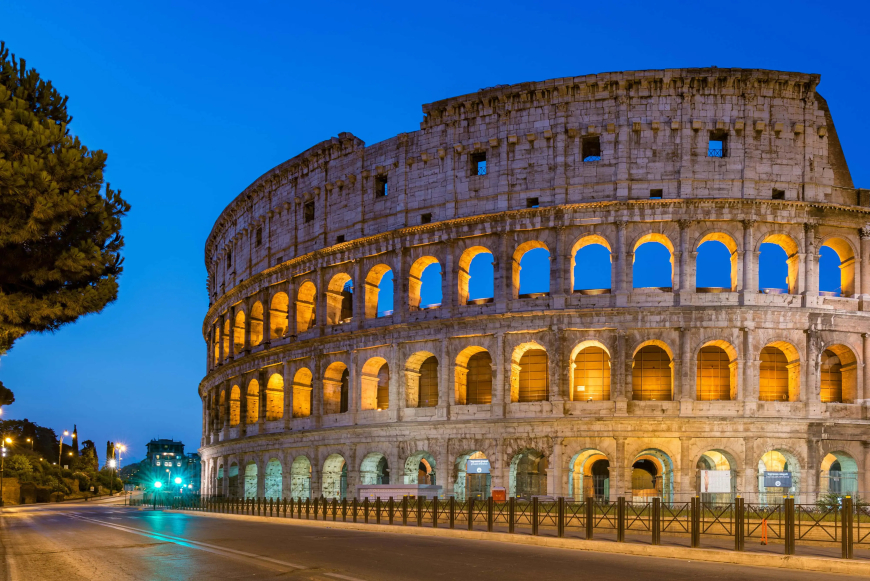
445	366
620	267
232	338
449	284
400	288
225	481
320	302
499	405
288	395
620	472
397	395
317	393
749	259
861	396
261	475
354	387
266	297
623	390
501	272
810	391
685	282
686	388
220	330
412	389
561	278
359	296
262	380
247	349
864	286
683	481
554	471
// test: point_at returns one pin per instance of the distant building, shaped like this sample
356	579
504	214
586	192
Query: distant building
166	461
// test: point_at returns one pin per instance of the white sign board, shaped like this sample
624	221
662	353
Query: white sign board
715	481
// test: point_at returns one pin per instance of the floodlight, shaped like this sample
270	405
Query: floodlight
158	484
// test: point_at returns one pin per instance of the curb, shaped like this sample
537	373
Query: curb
816	564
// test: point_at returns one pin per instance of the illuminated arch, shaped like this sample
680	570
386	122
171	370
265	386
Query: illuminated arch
275	397
334	477
306	308
302	393
589	475
339	299
716	371
273	479
728	241
473	376
253	402
520	251
335	388
838	374
239	332
846	254
652	377
279	316
779	372
415	281
530	376
464	272
590	372
256	323
791	249
235	406
374	384
580	244
421	380
373	289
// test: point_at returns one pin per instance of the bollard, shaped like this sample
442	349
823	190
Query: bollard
471	513
560	517
489	514
695	521
656	524
420	507
739	525
452	511
846	513
620	519
534	515
405	510
590	517
512	510
788	507
434	512
390	509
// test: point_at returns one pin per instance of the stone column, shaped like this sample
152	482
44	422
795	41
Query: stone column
220	331
501	272
558	393
248	318
354	387
232	338
684	282
864	286
749	258
445	366
359	296
811	260
225	481
620	267
620	472
320	302
288	395
861	396
499	405
686	389
622	391
317	393
266	297
554	471
810	391
561	279
263	381
397	395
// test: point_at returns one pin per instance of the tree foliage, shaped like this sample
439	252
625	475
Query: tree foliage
59	230
45	442
6	395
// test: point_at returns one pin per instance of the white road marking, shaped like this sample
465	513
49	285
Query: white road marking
206	546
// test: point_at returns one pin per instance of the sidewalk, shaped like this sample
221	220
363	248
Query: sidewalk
823	559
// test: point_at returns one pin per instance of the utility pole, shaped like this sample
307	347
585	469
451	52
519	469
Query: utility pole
60	450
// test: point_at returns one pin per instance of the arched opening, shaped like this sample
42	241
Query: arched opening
528	474
476	276
591	264
836	268
778	265
421	380
278	316
590	476
716	479
716	264
530	379
716	372
653	265
273	482
302	393
420	469
305	306
335	388
334	477
375	385
784	478
226	337
253	402
251	480
379	292
779	373
473	377
839	375
216	345
424	284
256	323
234	480
219	482
300	478
239	332
222	408
275	397
339	299
473	478
839	475
590	372
374	469
652	373
235	406
652	475
531	270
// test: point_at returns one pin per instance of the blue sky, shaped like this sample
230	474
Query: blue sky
192	102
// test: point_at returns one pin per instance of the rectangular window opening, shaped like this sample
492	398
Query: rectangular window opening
426	218
229	259
655	194
308	211
381	187
778	194
532	203
259	237
339	239
478	163
718	144
591	148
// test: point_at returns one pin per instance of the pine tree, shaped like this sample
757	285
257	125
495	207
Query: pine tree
60	236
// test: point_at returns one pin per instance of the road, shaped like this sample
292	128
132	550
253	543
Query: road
110	542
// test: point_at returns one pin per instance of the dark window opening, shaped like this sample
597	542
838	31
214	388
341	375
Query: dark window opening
279	260
478	163
426	218
532	203
381	188
259	237
591	148
308	212
229	258
778	194
718	144
339	239
655	194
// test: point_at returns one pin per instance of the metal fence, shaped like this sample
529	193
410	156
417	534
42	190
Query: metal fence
845	525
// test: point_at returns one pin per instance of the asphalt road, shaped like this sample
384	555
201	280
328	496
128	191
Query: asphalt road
84	541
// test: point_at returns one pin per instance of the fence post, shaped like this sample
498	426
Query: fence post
405	510
560	517
512	510
534	515
366	510
471	513
656	524
452	507
390	509
378	510
420	507
620	519
739	525
344	509
489	515
846	513
695	519
434	512
789	526
590	517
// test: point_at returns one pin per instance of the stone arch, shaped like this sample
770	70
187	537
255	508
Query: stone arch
838	374
582	242
226	336
716	371
718	460
474	376
251	476
235	406
652	376
464	272
334	476
256	323
839	474
279	312
274	479
590	371
779	372
339	299
421	380
653	237
726	240
521	251
415	281
652	476
420	468
306	307
530	373
375	385
275	397
335	388
528	474
791	249
302	393
589	475
846	253
779	459
475	485
222	407
253	402
374	469
239	331
373	290
300	478
233	480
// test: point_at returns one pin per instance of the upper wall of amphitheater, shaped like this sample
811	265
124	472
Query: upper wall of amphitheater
653	128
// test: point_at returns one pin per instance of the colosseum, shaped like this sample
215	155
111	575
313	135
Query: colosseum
348	342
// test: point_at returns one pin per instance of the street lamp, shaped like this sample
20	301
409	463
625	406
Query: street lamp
3	465
31	442
60	451
112	481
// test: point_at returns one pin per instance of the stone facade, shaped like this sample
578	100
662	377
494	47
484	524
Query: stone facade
616	159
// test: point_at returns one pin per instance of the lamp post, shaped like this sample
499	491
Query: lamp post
60	450
31	443
112	481
3	465
120	448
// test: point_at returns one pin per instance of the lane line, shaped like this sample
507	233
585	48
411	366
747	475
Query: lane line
207	547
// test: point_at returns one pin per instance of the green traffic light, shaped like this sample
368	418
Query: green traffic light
158	484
